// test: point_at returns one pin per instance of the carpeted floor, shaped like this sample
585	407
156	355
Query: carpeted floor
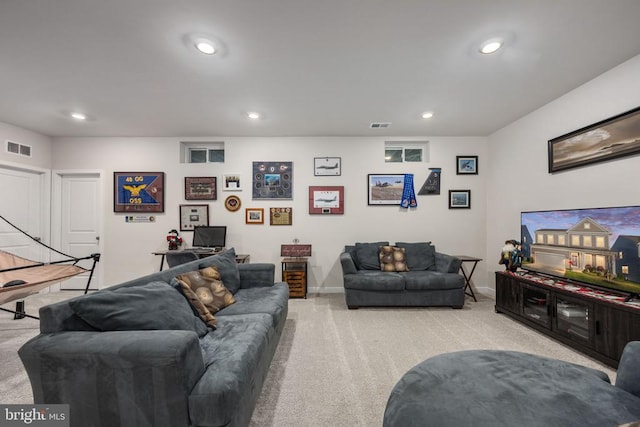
335	366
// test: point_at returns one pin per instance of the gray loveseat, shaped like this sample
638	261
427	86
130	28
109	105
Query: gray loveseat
136	354
432	278
487	388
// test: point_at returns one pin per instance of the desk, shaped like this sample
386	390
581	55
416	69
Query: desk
202	253
467	278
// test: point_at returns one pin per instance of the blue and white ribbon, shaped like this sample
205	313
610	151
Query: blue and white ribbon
408	193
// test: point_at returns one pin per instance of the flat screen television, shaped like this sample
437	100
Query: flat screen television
214	236
599	246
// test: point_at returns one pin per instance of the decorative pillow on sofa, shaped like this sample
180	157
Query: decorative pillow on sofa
367	257
205	288
154	306
228	268
392	259
420	256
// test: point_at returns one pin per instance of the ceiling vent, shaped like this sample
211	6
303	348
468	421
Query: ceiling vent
379	125
19	149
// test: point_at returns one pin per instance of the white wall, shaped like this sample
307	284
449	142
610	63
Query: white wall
518	178
40	146
128	246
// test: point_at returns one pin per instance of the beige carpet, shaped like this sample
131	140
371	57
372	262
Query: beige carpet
335	366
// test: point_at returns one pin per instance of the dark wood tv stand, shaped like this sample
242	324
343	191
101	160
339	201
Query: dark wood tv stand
595	322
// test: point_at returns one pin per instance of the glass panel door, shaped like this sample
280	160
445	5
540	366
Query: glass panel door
573	318
536	305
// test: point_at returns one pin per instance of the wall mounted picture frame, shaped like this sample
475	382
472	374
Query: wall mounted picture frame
273	180
200	188
192	216
138	192
327	166
326	200
254	216
612	138
385	189
231	182
459	199
280	216
232	203
466	165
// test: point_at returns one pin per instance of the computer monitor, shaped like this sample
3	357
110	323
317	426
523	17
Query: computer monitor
209	236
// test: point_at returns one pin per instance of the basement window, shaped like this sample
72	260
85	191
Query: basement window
202	152
406	151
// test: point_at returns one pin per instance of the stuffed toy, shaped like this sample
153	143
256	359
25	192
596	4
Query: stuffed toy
511	255
174	239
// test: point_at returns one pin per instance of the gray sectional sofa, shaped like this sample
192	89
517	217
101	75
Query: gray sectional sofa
488	388
137	354
432	278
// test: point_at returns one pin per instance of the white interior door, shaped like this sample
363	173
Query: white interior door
80	222
23	204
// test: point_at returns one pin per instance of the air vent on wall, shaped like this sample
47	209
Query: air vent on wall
379	125
19	149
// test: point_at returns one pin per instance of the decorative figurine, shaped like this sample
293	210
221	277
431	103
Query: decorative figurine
511	255
174	239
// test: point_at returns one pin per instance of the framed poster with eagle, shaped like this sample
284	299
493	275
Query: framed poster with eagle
136	192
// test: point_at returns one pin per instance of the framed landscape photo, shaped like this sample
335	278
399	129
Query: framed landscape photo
615	137
327	166
254	215
138	192
466	165
326	200
385	189
200	188
459	199
192	216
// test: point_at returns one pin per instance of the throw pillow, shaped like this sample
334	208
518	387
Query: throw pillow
420	256
228	268
205	288
392	259
153	306
367	255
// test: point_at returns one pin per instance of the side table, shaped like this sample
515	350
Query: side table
294	272
467	278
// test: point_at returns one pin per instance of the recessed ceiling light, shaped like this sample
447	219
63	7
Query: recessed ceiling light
427	115
205	46
253	115
79	116
490	46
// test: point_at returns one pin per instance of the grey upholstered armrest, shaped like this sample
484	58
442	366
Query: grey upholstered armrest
142	376
256	275
628	374
447	263
348	266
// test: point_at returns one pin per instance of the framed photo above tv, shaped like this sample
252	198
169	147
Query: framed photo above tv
459	199
385	189
192	216
327	166
466	165
200	188
615	137
326	200
138	192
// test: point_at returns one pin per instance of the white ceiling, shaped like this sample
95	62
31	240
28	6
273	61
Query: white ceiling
311	67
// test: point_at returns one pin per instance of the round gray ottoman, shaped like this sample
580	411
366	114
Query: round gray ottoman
506	388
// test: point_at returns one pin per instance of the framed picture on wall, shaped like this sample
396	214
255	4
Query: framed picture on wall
459	199
272	180
326	200
466	165
385	189
200	188
138	192
280	216
254	215
192	216
231	182
327	166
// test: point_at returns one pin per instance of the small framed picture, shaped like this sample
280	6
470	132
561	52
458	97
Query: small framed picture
192	216
200	188
466	165
326	200
231	182
459	199
280	216
327	166
254	215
